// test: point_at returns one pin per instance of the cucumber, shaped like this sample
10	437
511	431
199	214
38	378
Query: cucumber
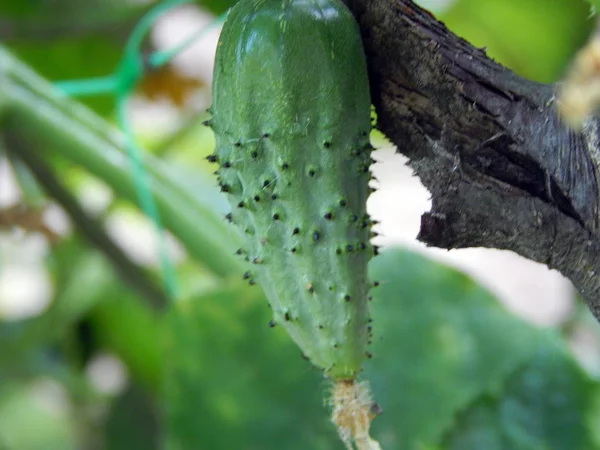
291	117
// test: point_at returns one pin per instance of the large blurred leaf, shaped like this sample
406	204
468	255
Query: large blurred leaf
443	341
442	345
547	404
233	382
534	38
446	343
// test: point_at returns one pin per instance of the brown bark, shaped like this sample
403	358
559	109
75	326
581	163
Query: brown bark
502	169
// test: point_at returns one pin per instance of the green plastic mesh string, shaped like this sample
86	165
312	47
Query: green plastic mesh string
121	84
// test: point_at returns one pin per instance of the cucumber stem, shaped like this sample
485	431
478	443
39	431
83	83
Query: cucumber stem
353	410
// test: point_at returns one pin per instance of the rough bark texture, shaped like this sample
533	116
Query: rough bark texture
502	170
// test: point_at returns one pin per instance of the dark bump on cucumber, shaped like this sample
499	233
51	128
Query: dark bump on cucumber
225	188
327	144
271	323
310	288
238	144
347	298
239	251
273	196
331	287
246	275
316	235
338	251
375	250
257	260
207	123
286	316
369	355
266	183
276	216
375	283
312	172
293	250
320	327
362	246
256	198
226	165
295	231
349	248
328	216
370	297
252	282
241	204
266	135
353	218
229	217
343	203
211	158
254	154
364	133
285	166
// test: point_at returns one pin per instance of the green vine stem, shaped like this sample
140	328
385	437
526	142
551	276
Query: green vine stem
57	125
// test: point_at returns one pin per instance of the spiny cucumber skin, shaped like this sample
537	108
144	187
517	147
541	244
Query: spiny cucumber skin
291	116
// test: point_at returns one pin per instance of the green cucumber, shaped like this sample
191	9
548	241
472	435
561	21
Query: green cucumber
291	116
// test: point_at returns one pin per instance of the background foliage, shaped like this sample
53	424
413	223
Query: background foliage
452	369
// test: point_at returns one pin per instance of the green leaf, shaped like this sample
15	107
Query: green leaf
534	38
440	342
547	404
444	343
233	382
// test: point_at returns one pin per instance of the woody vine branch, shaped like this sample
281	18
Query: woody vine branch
503	170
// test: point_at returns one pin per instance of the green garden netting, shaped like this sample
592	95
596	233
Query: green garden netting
121	84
